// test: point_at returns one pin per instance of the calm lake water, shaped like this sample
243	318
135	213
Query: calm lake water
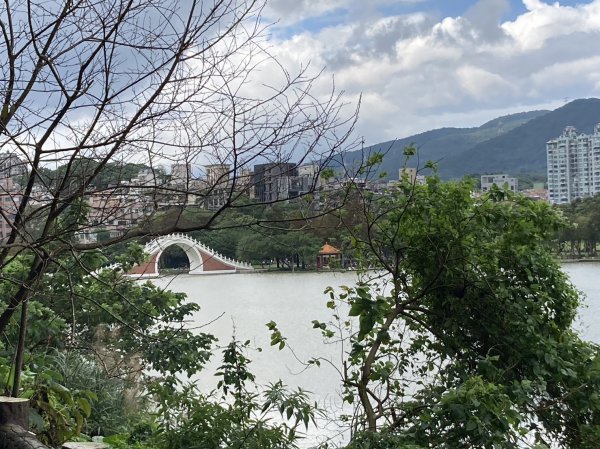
586	277
241	305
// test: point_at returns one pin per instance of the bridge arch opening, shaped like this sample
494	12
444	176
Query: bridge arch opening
179	256
174	257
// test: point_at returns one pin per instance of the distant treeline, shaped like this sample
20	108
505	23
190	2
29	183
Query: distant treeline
581	238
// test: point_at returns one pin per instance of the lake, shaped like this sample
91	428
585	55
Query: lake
241	305
586	277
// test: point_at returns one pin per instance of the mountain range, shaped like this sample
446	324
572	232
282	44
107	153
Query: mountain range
512	144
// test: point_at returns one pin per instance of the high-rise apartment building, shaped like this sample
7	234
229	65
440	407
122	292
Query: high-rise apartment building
12	165
277	181
217	174
272	181
573	165
10	198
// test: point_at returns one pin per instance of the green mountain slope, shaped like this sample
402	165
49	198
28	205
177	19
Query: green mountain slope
511	144
522	149
438	144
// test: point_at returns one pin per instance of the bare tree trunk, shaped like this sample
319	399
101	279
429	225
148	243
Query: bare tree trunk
20	349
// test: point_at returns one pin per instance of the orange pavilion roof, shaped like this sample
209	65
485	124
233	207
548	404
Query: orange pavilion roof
328	249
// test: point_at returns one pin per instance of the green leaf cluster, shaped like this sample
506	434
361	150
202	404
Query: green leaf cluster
242	417
462	335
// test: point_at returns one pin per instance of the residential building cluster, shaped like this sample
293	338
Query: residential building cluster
118	209
115	208
573	165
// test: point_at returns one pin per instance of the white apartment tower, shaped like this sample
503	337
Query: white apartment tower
573	165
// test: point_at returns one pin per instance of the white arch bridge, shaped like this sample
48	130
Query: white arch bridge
203	260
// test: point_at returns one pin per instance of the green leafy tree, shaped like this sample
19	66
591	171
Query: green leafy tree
230	228
259	247
302	247
462	337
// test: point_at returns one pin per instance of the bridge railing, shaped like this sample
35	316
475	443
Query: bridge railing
154	245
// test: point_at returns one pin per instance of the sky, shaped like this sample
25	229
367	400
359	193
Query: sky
426	64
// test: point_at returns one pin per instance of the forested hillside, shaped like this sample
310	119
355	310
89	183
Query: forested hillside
511	144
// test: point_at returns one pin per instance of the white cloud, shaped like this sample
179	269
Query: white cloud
572	73
419	53
481	84
544	21
416	73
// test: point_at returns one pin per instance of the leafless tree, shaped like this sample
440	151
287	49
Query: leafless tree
88	86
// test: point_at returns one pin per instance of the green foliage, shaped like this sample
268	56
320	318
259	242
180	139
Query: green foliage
139	435
528	180
277	339
228	231
112	174
475	414
370	310
116	401
375	159
123	441
327	174
581	238
234	371
57	412
465	340
242	418
92	336
289	248
409	150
